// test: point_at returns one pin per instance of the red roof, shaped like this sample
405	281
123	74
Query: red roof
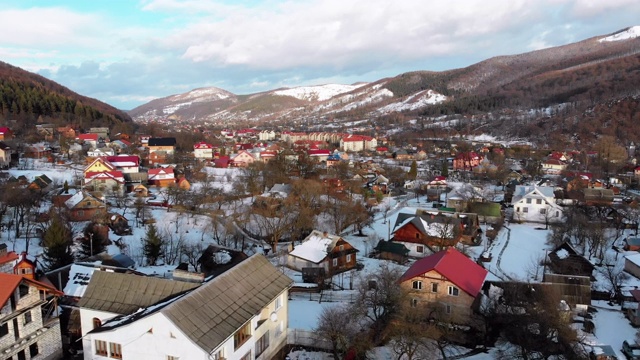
471	155
202	145
11	256
156	171
319	152
123	159
9	283
4	130
85	137
454	266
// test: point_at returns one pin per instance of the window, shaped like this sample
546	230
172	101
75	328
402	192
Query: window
96	323
528	201
453	291
414	303
518	209
4	329
246	356
539	201
525	210
33	350
218	355
557	213
169	357
278	302
417	285
417	235
348	258
27	317
434	287
241	336
341	247
24	290
543	211
262	344
420	248
335	262
115	350
448	309
101	347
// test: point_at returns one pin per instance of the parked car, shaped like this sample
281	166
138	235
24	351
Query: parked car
631	350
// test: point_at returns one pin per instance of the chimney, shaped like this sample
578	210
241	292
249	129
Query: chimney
325	234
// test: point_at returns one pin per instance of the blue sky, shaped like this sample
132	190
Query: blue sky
127	53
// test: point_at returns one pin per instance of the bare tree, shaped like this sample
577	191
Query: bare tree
613	272
192	253
336	325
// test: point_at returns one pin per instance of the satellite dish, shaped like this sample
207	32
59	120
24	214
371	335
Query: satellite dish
273	316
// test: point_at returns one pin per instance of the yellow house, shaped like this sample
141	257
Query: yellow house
99	165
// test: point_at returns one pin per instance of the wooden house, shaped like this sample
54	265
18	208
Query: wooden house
321	249
161	177
422	232
388	250
565	260
84	207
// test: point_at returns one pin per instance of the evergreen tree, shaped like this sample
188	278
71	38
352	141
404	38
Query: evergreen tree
152	246
413	171
445	169
56	242
93	242
66	187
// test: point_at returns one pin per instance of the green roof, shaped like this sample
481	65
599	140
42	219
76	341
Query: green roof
392	247
486	209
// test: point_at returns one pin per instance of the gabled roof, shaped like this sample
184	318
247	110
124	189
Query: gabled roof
10	256
216	310
315	247
534	191
126	293
102	160
73	201
454	266
88	137
162	141
114	175
9	283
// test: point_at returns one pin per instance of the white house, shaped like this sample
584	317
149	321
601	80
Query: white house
203	150
240	314
535	204
267	135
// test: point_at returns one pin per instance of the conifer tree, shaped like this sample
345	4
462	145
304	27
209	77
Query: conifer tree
56	241
413	171
152	247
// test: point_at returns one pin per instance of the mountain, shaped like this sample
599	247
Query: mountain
497	94
27	97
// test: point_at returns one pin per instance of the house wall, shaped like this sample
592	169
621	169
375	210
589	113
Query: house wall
414	249
461	305
409	234
155	337
168	149
98	166
533	209
631	268
203	153
84	214
297	263
47	338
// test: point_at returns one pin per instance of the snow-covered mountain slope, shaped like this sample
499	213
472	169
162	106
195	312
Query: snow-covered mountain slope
415	101
319	92
629	33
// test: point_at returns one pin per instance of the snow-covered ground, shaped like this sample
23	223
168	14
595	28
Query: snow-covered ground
319	92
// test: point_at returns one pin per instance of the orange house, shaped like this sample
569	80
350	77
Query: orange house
161	177
25	267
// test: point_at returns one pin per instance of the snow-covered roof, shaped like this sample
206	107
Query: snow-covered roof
635	259
315	247
79	276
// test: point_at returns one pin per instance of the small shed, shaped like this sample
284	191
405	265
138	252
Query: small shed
565	260
602	352
631	244
389	250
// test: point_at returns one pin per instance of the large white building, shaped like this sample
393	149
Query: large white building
535	204
238	315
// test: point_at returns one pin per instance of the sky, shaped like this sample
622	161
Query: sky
128	52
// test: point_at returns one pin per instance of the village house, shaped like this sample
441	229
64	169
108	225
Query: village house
466	160
322	250
535	204
89	139
98	165
423	232
632	264
5	155
66	132
103	151
203	151
41	183
553	166
102	299
447	279
357	143
182	327
29	325
161	177
242	159
5	133
166	145
565	260
127	164
37	151
111	182
84	207
8	259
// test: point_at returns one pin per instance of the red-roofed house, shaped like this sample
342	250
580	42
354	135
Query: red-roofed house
319	154
466	160
106	181
358	143
203	150
447	279
553	166
29	323
242	159
128	164
91	139
5	133
161	177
